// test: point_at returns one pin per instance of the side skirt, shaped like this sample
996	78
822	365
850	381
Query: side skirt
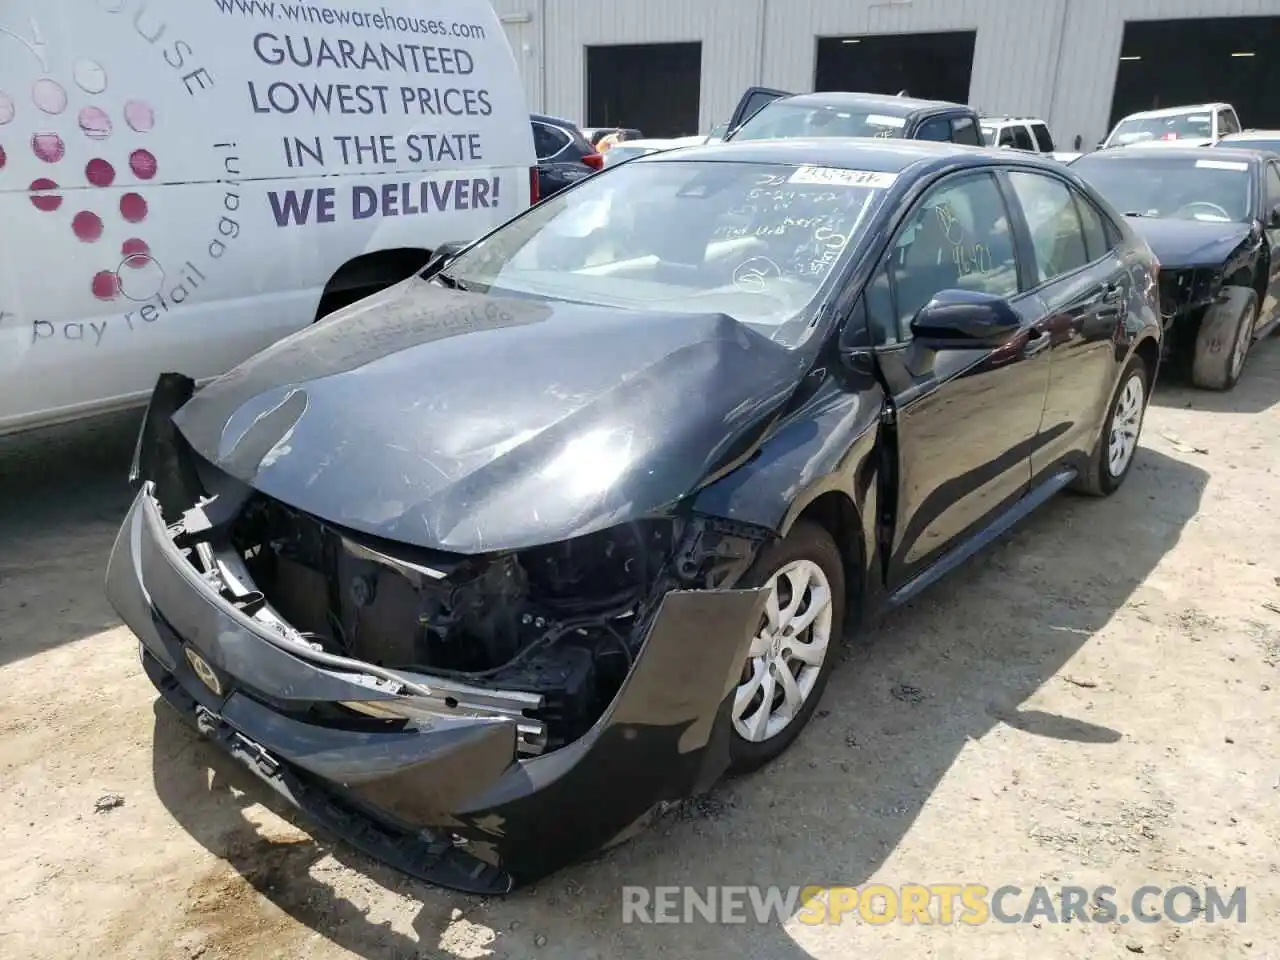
949	561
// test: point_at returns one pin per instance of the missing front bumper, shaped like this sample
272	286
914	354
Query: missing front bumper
449	801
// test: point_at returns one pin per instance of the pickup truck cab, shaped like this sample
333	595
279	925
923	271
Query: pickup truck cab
1202	122
764	114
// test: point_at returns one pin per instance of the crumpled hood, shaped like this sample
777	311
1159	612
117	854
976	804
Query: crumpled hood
1189	243
469	423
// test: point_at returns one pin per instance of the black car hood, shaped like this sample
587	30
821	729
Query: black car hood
1189	243
468	423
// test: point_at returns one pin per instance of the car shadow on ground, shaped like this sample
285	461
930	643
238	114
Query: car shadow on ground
1257	391
928	680
63	495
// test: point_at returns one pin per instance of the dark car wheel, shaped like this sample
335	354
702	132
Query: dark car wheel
1222	345
1113	458
795	647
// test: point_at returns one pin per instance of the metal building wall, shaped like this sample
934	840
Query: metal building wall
1051	58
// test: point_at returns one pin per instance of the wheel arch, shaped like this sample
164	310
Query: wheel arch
834	509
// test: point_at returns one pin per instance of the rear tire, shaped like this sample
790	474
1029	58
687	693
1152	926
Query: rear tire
1224	339
1118	444
798	638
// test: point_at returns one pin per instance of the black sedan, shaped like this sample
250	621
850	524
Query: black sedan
483	570
1212	217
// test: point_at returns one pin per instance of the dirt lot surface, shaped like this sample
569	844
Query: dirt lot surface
1093	701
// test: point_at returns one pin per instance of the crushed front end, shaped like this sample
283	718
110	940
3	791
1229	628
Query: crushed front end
1185	294
475	721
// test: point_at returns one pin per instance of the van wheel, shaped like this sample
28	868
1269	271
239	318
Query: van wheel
794	648
1224	339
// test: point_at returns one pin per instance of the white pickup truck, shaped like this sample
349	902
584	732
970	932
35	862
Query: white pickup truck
1028	134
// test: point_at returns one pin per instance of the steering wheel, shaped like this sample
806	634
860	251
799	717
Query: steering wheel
1211	207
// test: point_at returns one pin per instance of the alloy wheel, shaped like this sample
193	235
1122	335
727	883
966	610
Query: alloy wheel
1126	424
787	652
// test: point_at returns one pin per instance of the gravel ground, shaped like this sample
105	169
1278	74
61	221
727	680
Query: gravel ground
1092	701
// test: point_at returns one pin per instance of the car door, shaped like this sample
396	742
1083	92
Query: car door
558	162
965	419
751	103
1271	201
1084	284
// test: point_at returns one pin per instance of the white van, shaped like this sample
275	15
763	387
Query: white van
183	182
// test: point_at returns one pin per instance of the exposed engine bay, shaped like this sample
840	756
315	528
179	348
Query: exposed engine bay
547	634
1185	294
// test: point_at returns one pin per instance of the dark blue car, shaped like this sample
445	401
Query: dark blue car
483	570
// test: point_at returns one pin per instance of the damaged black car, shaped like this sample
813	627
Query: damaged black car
482	571
1212	217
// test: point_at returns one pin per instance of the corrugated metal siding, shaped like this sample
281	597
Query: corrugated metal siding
1051	58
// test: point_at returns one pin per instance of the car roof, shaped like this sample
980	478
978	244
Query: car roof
1174	111
558	121
990	119
885	103
847	153
1189	153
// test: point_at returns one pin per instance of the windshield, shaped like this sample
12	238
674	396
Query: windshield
784	120
1180	187
1198	126
754	241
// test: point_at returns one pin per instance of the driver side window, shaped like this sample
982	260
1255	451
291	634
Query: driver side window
958	237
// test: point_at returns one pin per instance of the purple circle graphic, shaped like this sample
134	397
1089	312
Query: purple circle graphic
136	253
48	147
7	109
49	96
43	200
105	285
90	77
133	207
139	115
99	172
95	123
143	164
87	226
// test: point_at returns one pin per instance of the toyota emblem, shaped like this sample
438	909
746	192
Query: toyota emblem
204	671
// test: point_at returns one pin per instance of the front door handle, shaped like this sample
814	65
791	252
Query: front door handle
1037	342
1112	293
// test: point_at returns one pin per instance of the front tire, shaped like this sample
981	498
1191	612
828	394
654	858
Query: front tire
794	649
1118	446
1224	339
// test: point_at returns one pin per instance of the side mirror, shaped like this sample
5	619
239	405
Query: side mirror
444	253
965	320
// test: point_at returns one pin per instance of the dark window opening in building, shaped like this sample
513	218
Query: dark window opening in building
1167	63
651	87
933	66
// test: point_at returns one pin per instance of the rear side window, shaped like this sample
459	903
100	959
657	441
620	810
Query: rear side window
964	130
1227	123
1043	140
1273	185
1057	236
1006	137
547	141
1022	139
1097	240
938	128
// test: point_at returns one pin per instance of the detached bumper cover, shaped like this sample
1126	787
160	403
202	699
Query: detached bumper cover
448	800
